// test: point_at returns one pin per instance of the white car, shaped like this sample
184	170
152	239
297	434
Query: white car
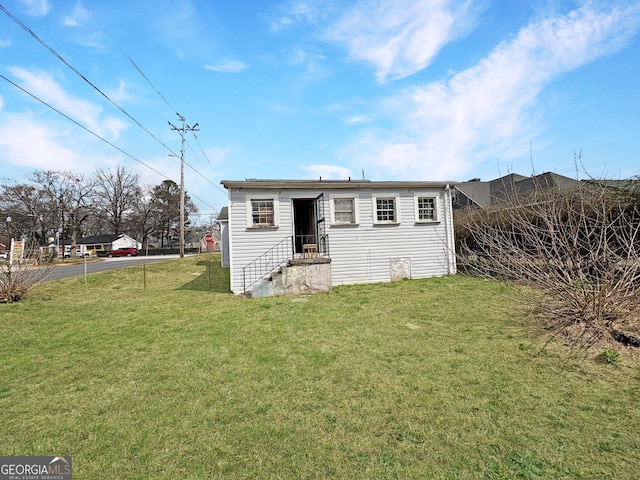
4	255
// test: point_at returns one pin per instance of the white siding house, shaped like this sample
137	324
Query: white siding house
369	231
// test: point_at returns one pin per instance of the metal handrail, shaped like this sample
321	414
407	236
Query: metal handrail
322	242
266	263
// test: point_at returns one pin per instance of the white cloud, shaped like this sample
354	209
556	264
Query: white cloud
42	85
183	27
78	17
5	43
120	93
333	172
294	13
227	66
112	127
445	127
26	142
401	37
358	119
217	155
37	8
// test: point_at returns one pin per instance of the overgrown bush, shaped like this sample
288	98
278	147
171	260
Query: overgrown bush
579	247
18	278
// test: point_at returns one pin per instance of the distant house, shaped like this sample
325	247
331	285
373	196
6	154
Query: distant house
297	236
478	194
95	244
92	245
223	220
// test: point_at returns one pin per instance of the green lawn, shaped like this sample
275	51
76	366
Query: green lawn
172	377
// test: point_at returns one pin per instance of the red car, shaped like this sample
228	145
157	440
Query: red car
123	252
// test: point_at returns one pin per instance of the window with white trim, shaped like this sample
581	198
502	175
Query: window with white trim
344	211
386	209
426	209
262	212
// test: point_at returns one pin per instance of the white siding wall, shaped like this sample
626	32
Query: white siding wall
224	237
360	253
246	244
363	253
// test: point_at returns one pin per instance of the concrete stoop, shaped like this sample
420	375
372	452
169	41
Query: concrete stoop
298	277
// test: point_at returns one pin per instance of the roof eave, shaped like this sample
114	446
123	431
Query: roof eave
332	184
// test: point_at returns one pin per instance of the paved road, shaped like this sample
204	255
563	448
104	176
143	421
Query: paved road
93	266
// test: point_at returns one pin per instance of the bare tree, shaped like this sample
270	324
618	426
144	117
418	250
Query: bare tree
580	248
115	195
143	219
69	195
28	211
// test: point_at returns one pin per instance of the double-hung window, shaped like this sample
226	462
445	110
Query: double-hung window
386	209
344	211
426	209
262	212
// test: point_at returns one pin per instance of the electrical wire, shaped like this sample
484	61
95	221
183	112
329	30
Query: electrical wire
143	75
135	65
98	136
86	129
77	72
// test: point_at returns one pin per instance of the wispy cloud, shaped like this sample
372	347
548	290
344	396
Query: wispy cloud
227	66
445	127
5	43
313	62
401	37
37	8
79	16
183	27
296	12
27	142
333	172
358	119
43	86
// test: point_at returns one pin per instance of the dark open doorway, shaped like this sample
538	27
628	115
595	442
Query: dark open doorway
305	223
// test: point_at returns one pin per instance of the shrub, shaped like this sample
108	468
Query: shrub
18	278
580	247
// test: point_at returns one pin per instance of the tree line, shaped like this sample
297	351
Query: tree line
64	204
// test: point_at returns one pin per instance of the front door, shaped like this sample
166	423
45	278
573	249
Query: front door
305	223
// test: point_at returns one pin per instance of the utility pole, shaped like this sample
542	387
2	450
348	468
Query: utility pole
183	130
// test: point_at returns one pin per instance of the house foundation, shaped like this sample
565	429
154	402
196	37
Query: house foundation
304	276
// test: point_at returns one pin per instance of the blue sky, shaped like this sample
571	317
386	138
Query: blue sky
297	89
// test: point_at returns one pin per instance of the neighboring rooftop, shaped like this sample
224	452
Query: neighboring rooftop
476	193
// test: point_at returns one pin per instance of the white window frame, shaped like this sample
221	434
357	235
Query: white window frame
396	209
249	206
332	207
436	208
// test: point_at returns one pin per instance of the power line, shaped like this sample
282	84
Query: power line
77	72
141	72
202	149
135	65
88	130
205	178
183	131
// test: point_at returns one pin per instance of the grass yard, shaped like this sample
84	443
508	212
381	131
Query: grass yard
175	378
